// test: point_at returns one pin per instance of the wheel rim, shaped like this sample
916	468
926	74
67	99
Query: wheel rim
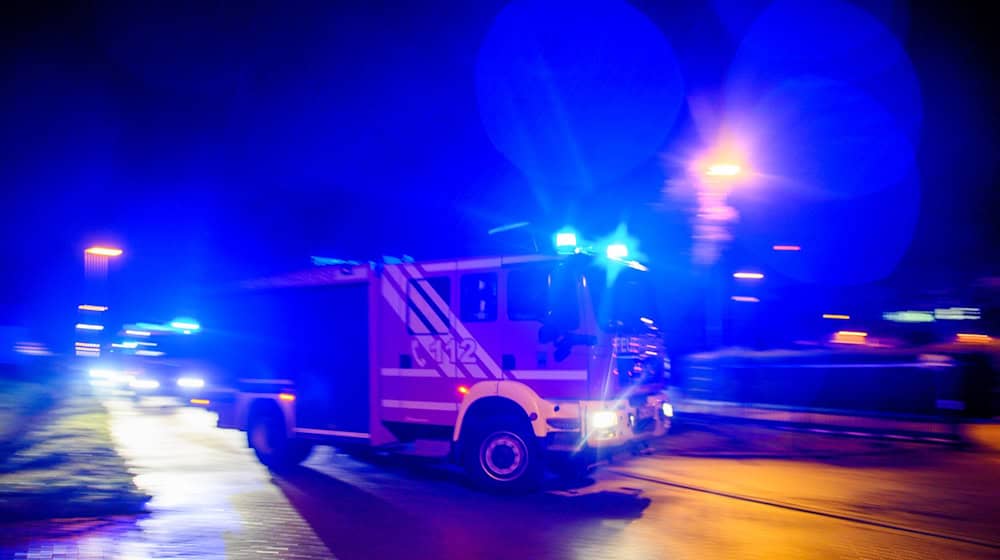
503	456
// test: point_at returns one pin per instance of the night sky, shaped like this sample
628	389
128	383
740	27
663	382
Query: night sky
219	140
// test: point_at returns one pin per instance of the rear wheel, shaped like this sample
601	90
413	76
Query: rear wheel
269	440
502	453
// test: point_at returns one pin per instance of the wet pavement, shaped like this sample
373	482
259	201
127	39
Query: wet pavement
777	500
211	499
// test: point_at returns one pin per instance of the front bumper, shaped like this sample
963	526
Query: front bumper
633	425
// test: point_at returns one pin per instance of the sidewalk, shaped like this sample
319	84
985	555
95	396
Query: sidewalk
211	499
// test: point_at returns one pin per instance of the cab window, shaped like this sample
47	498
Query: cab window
543	294
479	297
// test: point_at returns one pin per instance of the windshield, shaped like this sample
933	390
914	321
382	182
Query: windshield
624	299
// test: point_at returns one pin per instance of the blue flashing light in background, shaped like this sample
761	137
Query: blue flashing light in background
617	251
185	325
828	105
577	93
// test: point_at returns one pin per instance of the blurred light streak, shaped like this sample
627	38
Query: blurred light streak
957	314
87	345
787	248
191	382
152	353
646	320
144	384
200	401
89	327
87	307
185	325
973	338
745	299
909	316
103	251
836	316
850	337
31	349
134	332
507	227
748	275
287	397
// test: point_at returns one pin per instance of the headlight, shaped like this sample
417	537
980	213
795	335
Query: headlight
102	373
144	384
603	419
668	410
191	382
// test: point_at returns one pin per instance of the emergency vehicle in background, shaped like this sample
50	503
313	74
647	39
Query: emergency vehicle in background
504	365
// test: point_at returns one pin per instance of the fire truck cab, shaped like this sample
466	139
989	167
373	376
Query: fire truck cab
505	365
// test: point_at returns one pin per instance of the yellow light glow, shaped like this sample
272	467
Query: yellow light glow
850	337
87	307
104	251
723	170
462	389
971	337
287	397
836	316
199	401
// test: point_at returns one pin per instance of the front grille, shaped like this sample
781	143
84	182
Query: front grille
644	425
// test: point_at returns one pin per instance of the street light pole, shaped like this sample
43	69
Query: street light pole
713	182
91	313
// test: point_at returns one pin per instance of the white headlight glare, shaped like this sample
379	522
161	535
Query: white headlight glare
191	382
144	384
603	419
668	410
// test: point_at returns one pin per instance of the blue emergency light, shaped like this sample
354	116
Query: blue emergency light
565	242
617	251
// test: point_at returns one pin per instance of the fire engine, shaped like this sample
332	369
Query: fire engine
505	365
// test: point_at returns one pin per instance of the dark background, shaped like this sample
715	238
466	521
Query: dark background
220	140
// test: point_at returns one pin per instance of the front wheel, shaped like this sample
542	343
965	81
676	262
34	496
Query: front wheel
267	437
503	454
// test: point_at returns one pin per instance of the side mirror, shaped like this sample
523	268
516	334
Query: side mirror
547	333
562	352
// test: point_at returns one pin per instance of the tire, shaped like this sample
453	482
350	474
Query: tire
267	437
503	454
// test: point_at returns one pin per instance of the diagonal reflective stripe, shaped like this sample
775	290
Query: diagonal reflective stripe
391	295
492	367
415	297
475	371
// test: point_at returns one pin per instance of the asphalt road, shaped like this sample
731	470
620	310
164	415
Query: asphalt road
709	492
